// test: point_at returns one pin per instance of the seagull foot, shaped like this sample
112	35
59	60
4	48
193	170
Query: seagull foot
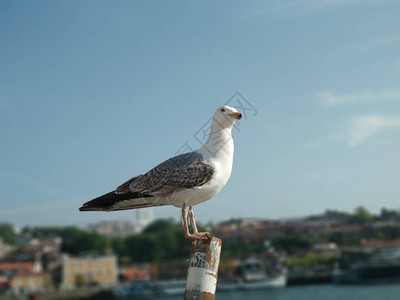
195	236
199	236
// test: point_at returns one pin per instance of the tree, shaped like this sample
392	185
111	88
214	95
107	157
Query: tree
161	225
362	215
143	247
77	241
336	237
295	243
388	213
8	234
118	244
80	280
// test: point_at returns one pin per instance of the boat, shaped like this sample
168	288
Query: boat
137	288
150	289
252	274
171	287
369	262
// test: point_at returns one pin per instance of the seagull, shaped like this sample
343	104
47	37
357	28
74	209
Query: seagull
183	180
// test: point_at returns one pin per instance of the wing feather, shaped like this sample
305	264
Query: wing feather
184	171
165	181
124	188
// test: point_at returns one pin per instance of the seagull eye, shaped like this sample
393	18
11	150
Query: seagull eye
222	110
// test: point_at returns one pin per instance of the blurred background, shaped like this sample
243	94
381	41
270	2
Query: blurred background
93	93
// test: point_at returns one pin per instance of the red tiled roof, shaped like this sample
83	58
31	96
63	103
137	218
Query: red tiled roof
14	266
378	244
373	245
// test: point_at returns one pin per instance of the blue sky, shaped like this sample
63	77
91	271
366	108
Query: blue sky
95	92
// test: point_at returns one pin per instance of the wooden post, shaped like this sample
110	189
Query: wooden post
202	276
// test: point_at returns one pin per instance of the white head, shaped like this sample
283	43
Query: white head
225	116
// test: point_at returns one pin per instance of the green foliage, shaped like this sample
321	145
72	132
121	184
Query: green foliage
361	215
237	248
80	280
309	261
182	248
144	247
76	241
295	243
162	225
8	234
161	240
388	213
335	237
118	244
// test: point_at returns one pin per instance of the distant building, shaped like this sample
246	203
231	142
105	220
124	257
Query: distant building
326	249
101	270
26	276
44	245
30	267
248	229
4	248
10	268
135	272
31	282
144	217
390	229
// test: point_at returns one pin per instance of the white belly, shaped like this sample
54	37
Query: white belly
220	159
206	191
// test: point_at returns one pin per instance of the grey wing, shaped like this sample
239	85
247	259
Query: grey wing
184	171
182	160
124	188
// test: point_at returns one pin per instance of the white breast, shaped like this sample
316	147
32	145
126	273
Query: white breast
220	158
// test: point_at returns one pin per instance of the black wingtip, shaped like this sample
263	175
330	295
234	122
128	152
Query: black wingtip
105	202
87	208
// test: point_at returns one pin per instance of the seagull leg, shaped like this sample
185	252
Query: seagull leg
192	219
199	236
185	224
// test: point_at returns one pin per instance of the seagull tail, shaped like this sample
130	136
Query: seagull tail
114	201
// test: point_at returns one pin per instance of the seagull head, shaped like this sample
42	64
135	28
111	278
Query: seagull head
226	115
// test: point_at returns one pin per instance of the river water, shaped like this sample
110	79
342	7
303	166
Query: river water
315	292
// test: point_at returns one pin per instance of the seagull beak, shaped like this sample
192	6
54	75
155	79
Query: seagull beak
236	115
